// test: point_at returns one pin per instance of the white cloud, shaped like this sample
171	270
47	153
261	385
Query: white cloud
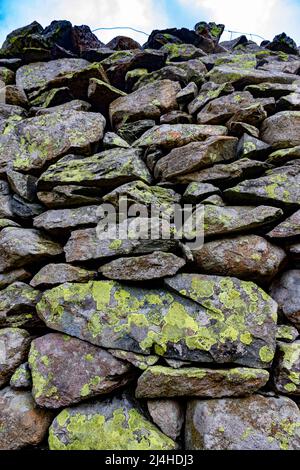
142	15
264	17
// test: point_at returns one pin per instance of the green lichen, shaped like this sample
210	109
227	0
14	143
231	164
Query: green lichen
266	354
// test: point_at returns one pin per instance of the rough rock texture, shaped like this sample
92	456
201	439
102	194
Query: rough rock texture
149	240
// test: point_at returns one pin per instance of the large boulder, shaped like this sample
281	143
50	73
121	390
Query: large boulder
282	129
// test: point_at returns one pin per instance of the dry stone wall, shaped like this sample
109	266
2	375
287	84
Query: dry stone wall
155	343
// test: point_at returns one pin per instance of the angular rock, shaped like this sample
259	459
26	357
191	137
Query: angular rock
195	192
286	333
220	110
169	136
289	228
280	187
23	185
285	290
247	257
106	170
22	422
267	90
149	102
143	268
251	147
195	156
123	43
133	130
64	196
287	368
74	105
176	117
23	246
14	347
36	142
280	157
10	277
209	91
14	96
253	115
21	379
239	318
283	43
17	302
137	360
101	95
112	140
252	423
168	415
67	219
187	94
84	40
182	52
111	424
58	273
282	129
164	382
66	371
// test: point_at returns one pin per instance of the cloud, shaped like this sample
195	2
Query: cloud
140	14
266	18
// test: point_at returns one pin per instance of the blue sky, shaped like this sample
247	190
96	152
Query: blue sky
264	17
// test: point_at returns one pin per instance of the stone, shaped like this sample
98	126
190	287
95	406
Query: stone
220	220
176	117
17	305
168	415
196	192
209	91
34	143
287	368
14	96
253	115
187	94
278	187
21	379
137	360
16	254
67	219
289	228
251	147
64	196
74	105
133	130
23	424
289	103
182	52
247	257
34	76
106	170
10	277
112	424
195	156
143	268
149	102
165	382
84	40
58	273
14	347
22	208
283	43
282	129
112	140
280	157
101	95
168	137
286	333
117	316
267	90
238	129
251	423
66	371
220	110
52	98
23	185
285	291
123	43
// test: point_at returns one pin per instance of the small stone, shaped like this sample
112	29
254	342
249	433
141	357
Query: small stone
54	274
195	192
168	415
17	305
21	379
14	347
289	228
287	368
286	333
101	95
67	219
137	360
282	129
286	291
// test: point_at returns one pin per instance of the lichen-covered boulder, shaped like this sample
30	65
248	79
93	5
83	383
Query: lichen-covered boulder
282	129
33	143
252	423
209	91
65	195
101	94
106	170
289	228
286	291
196	192
20	246
247	257
287	368
149	102
160	382
280	157
23	424
14	347
67	219
220	110
21	378
111	424
143	268
58	273
66	370
239	318
17	305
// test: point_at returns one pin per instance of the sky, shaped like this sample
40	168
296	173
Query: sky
263	17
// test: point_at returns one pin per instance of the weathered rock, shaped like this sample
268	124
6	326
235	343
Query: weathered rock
246	257
289	228
286	333
280	157
106	170
74	105
21	379
10	277
36	142
287	368
67	219
22	422
111	424
14	96
282	129
239	318
149	102
238	129
17	305
168	415
138	360
26	42
285	291
253	423
176	117
133	130
267	90
54	274
123	43
52	98
64	196
209	91
220	110
195	156
101	95
289	103
283	43
112	140
195	192
22	208
23	185
143	268
84	40
66	370
280	187
187	94
160	382
23	246
254	115
236	219
182	52
169	136
251	147
14	347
